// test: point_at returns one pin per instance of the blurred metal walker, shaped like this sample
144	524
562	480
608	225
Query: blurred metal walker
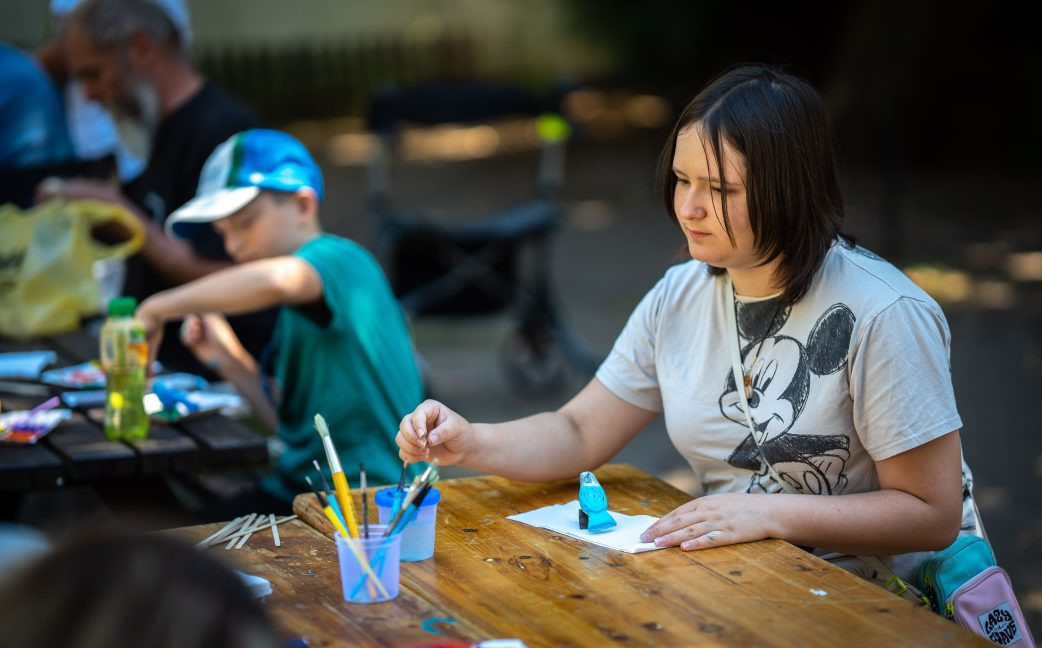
496	263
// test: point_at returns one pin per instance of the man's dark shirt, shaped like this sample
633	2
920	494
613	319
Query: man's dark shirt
183	141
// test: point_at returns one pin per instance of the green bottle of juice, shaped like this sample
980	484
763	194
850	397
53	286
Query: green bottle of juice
124	356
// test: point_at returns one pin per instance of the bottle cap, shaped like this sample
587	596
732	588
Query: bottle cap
122	307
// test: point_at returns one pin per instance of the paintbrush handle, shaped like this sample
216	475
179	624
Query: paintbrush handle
46	405
343	498
407	519
365	515
377	564
331	516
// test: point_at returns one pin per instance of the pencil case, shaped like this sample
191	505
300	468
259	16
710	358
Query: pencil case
947	570
986	605
965	585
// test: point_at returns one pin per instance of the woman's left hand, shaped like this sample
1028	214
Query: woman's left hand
713	521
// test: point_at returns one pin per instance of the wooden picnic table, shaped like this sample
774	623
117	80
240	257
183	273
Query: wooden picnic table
491	577
78	451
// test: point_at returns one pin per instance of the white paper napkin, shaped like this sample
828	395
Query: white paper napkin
258	586
564	518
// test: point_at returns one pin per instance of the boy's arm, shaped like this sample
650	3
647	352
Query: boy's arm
175	259
239	289
215	343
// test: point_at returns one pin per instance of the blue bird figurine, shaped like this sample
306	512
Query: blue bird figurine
593	505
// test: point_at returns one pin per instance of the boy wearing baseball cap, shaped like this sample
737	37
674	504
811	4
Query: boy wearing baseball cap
341	346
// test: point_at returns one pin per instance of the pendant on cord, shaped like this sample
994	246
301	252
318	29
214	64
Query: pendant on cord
747	382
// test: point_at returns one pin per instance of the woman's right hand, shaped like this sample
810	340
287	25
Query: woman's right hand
433	431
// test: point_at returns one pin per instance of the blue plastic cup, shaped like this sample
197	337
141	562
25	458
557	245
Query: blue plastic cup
418	536
382	554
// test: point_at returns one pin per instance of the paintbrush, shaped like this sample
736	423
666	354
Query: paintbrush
326	490
340	486
365	501
399	492
323	504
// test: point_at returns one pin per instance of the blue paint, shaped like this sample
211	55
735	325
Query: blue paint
428	624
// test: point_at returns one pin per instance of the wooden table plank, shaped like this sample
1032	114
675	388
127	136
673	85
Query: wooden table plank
225	442
28	467
547	589
307	599
15	388
81	345
87	453
166	450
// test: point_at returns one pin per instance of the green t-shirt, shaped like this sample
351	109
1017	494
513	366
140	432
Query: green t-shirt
358	370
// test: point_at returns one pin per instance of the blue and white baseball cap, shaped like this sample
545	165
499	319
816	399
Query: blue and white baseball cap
238	170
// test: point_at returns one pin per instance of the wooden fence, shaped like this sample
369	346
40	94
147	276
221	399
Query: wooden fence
321	79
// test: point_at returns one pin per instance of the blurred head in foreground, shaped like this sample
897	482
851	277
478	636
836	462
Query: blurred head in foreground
148	591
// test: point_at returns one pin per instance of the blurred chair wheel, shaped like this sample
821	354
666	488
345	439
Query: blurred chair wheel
533	363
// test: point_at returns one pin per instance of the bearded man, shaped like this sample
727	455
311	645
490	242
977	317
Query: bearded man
130	57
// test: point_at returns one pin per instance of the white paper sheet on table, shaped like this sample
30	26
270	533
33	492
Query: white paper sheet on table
564	518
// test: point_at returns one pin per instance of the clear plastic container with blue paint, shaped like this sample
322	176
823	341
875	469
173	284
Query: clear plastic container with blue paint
418	536
382	556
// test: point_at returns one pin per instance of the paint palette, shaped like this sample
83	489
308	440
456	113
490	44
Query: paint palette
24	427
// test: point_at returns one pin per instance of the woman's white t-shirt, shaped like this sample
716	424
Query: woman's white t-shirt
857	371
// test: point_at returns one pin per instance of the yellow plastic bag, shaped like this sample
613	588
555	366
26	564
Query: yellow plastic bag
46	259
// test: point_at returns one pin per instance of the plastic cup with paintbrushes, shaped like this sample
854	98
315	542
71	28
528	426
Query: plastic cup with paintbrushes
395	519
429	475
363	563
394	533
418	535
389	573
405	515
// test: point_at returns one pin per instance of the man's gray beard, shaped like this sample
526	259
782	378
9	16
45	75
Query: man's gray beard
136	130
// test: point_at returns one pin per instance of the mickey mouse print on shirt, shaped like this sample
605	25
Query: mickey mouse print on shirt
783	377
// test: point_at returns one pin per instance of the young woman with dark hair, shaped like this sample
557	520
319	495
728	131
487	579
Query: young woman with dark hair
786	360
779	128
